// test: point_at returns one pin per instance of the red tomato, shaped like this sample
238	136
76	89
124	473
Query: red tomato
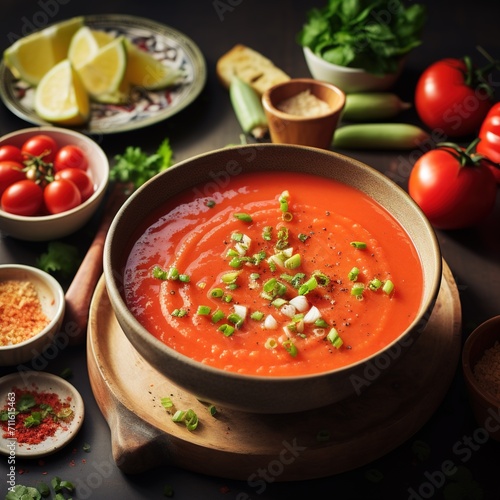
41	144
450	194
80	179
11	153
70	157
445	100
10	172
61	195
489	145
24	197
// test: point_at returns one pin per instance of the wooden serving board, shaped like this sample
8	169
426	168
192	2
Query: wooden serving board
234	444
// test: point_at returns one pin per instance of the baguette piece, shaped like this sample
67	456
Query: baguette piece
251	67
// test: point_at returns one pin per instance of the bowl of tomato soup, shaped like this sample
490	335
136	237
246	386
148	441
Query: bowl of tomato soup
271	278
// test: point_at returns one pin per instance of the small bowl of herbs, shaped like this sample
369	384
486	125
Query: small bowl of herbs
361	46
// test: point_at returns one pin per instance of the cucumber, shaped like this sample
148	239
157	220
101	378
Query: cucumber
369	106
379	136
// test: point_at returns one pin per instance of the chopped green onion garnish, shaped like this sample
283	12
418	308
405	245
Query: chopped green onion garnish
212	410
388	287
236	262
166	402
353	274
254	276
309	285
320	323
357	290
270	343
334	338
236	319
257	316
230	277
287	216
243	217
217	316
290	347
184	278
283	199
179	313
237	236
267	233
191	420
374	284
302	237
226	329
159	273
358	244
227	298
210	203
203	310
232	253
216	293
172	274
178	416
293	261
321	278
278	302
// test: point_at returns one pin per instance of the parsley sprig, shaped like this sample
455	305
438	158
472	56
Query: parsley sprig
135	166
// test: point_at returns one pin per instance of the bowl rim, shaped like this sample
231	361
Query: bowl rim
100	187
308	53
468	368
308	82
118	302
58	291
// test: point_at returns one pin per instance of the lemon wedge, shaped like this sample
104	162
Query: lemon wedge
85	44
103	73
32	56
61	97
143	70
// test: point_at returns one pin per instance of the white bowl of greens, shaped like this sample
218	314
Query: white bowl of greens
361	46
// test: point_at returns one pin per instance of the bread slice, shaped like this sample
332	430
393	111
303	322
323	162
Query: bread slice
251	66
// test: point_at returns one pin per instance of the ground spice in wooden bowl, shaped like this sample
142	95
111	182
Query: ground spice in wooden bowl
21	314
487	371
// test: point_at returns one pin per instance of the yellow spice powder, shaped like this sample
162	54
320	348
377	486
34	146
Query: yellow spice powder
487	370
21	314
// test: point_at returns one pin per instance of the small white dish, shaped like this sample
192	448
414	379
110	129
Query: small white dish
348	79
41	382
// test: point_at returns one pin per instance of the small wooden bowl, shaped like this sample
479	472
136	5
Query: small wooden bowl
485	406
315	131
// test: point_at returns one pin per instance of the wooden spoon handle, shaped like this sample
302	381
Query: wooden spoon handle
80	292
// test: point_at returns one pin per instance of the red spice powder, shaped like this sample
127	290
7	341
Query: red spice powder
48	426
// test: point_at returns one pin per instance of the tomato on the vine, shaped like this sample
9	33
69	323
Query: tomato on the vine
41	145
61	195
80	179
10	172
8	152
70	156
452	96
453	187
24	197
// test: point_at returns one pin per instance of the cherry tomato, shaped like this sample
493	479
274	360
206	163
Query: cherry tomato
61	195
489	145
41	144
453	187
9	152
24	197
448	97
10	172
80	179
70	157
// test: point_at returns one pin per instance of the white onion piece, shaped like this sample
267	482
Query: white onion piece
270	323
240	310
312	315
288	310
300	303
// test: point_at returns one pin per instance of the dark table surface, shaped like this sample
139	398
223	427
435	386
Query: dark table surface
454	28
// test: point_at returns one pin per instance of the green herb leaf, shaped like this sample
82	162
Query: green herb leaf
25	402
20	492
60	257
135	166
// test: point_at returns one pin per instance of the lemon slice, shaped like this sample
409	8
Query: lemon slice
143	70
104	72
61	97
32	56
85	44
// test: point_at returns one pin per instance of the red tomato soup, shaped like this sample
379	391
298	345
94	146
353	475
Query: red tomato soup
275	275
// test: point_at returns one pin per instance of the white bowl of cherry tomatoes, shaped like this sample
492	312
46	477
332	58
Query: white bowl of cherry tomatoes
52	181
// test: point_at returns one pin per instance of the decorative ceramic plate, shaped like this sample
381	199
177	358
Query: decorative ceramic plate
146	107
42	386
